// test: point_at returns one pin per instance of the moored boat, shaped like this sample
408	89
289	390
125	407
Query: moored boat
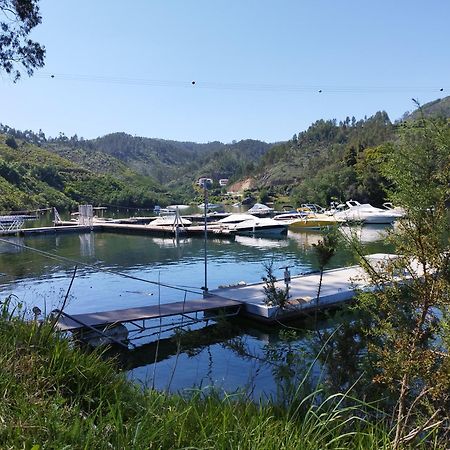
353	211
258	227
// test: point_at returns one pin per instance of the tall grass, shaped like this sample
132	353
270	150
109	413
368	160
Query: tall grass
54	396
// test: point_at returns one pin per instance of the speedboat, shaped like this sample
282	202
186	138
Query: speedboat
258	227
308	216
235	218
170	221
305	220
353	211
179	207
260	209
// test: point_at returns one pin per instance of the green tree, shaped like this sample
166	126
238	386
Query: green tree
410	305
17	51
11	142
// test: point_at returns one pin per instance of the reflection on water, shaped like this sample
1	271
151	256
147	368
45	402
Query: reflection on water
305	238
210	355
87	244
366	233
262	243
14	246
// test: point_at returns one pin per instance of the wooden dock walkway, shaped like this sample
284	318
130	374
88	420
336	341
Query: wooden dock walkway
111	318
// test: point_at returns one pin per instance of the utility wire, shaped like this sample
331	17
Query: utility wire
79	263
237	86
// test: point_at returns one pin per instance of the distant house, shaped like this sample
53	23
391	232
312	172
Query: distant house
223	181
204	181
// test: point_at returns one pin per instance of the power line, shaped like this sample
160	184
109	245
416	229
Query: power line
239	86
100	269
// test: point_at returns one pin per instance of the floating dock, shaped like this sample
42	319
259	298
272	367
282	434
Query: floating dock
338	287
161	230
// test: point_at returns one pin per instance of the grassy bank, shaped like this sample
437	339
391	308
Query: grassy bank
55	396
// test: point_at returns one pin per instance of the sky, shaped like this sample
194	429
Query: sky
262	69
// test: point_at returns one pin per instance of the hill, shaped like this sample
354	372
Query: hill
334	161
329	161
320	164
33	177
165	161
436	108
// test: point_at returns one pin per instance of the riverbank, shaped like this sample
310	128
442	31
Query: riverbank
56	396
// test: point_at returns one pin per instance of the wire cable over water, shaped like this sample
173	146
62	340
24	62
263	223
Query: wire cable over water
100	269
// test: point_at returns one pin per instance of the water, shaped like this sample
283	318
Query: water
211	356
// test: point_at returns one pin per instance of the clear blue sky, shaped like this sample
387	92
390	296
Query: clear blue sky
258	66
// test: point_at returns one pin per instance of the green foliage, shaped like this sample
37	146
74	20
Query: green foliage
32	177
275	296
409	306
321	164
17	50
11	142
56	396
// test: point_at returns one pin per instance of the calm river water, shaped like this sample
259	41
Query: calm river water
208	357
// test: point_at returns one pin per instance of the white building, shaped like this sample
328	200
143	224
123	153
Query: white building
202	181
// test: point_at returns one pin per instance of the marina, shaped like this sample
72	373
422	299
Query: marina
120	270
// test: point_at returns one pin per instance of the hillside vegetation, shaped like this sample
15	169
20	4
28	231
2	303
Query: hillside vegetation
329	161
33	177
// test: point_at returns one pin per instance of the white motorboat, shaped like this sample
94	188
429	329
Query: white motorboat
261	209
354	211
259	227
235	218
170	221
249	225
179	207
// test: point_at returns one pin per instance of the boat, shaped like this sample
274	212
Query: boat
235	218
249	225
290	217
170	221
164	211
308	216
179	207
311	208
353	211
317	221
260	209
259	226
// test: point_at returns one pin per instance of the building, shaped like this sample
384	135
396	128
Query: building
205	181
223	181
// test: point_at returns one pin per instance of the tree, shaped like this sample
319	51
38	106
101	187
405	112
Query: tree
11	142
17	51
410	304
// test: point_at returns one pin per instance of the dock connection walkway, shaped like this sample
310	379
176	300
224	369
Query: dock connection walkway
338	287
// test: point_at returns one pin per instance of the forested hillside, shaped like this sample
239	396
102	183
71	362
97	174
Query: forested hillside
336	160
165	161
327	161
331	160
32	177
